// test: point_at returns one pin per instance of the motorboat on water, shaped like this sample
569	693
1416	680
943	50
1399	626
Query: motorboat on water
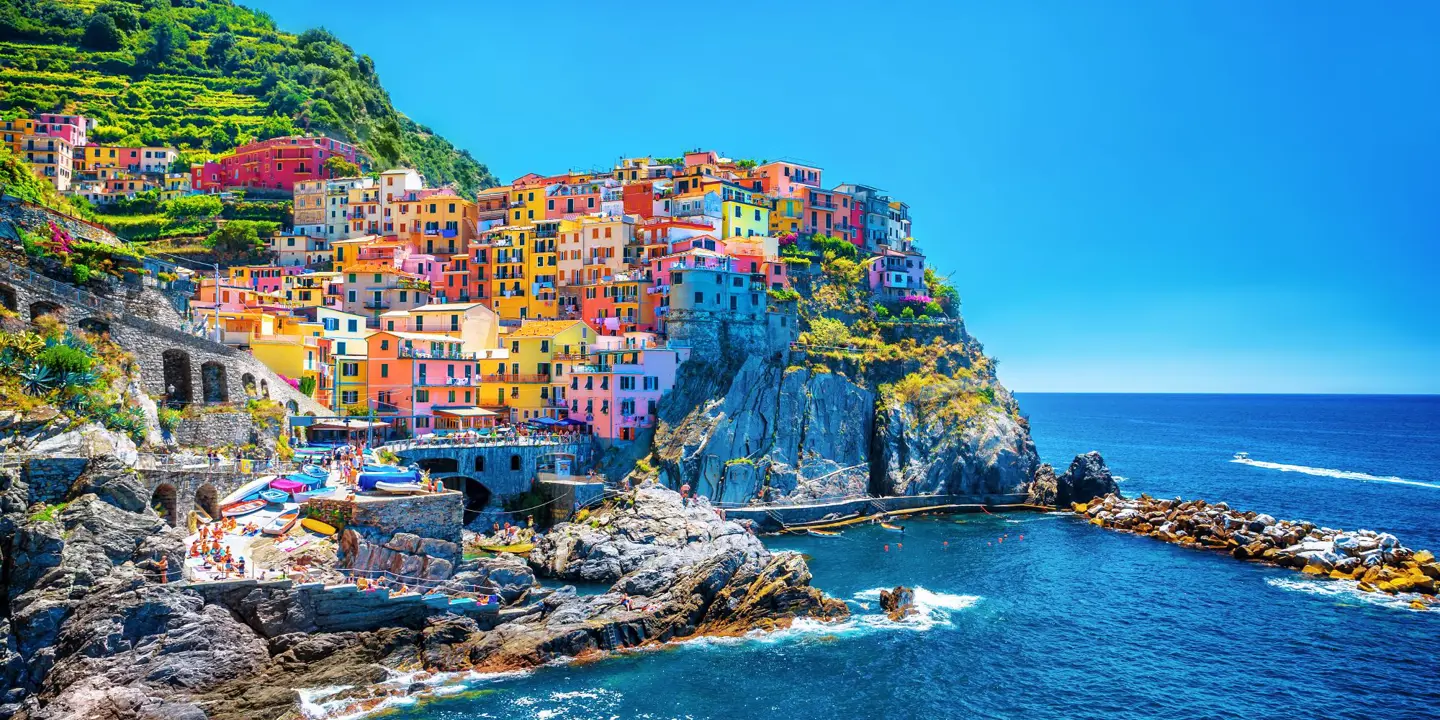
1242	456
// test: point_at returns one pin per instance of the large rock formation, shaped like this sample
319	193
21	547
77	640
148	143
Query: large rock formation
1088	477
798	434
929	455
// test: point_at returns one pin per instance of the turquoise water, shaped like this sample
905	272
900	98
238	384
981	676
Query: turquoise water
1071	620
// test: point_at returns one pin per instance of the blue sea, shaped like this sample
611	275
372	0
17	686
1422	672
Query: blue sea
1044	616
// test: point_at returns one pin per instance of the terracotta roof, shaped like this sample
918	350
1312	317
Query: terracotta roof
543	328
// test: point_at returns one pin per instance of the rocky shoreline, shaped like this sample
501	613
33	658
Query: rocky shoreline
1375	562
88	633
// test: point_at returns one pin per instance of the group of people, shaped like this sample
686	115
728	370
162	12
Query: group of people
215	554
513	534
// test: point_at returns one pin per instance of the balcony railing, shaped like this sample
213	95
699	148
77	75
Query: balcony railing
516	379
377	304
471	381
423	354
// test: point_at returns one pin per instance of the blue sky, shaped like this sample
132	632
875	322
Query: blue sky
1131	196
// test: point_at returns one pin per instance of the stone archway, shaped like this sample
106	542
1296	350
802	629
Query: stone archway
44	307
247	381
8	298
94	326
439	465
292	407
162	501
215	388
178	387
208	499
264	388
477	496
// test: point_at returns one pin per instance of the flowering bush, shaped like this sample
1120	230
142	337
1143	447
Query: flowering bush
789	239
59	239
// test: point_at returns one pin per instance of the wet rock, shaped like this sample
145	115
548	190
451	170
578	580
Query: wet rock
1087	478
1043	488
898	603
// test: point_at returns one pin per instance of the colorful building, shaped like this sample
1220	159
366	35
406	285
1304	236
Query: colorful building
279	163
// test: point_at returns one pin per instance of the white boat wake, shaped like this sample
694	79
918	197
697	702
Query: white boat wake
1328	472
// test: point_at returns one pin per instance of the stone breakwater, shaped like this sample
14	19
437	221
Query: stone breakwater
1377	562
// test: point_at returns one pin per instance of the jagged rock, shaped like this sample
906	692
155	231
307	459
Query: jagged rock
897	603
153	638
626	537
808	432
1087	478
926	454
1043	488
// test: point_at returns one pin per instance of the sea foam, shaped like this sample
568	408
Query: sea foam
1328	472
1343	592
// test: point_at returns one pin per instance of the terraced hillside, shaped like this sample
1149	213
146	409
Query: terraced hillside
205	76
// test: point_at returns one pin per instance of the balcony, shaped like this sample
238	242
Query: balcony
596	260
447	381
377	304
423	354
517	379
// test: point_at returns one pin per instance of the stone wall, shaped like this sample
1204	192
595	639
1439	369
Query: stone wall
216	429
564	496
439	516
37	218
126	318
180	491
504	470
723	334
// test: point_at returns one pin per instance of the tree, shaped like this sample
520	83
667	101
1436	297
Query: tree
339	167
827	332
166	40
102	34
237	238
193	207
217	53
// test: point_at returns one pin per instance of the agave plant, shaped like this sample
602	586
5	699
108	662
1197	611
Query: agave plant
38	380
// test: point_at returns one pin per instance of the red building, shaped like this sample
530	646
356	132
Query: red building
205	178
278	163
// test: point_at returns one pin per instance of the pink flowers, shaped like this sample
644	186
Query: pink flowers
789	239
917	299
59	238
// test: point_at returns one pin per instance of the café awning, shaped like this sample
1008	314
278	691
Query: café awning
463	412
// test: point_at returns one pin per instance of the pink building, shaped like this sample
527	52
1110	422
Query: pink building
265	278
894	274
618	388
786	179
74	129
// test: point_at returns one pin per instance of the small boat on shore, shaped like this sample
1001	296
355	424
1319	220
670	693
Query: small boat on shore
401	488
247	491
274	496
314	525
823	533
518	548
242	508
282	523
314	470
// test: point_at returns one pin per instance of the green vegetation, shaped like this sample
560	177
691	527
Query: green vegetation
785	295
206	76
739	461
266	414
19	180
169	418
239	239
48	513
307	386
192	207
78	373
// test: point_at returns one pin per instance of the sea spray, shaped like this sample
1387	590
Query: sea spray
1332	473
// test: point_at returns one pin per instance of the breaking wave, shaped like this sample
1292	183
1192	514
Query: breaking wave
1328	472
1343	592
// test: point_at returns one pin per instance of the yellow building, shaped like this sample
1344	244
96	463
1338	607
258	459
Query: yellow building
544	260
527	381
445	224
787	215
503	255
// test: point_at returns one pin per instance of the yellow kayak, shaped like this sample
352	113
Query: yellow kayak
317	526
518	548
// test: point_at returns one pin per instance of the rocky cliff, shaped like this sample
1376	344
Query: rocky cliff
766	431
